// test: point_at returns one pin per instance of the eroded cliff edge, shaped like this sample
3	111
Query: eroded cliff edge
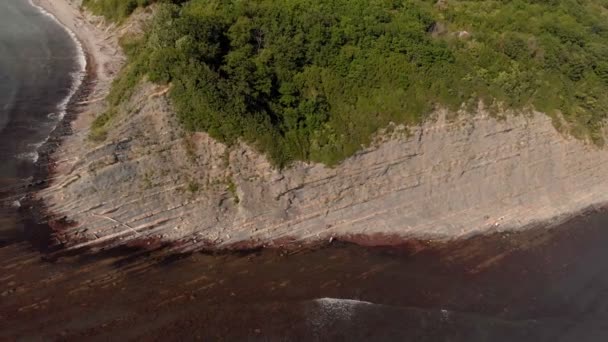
448	178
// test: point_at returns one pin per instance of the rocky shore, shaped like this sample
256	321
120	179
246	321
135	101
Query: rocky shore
150	182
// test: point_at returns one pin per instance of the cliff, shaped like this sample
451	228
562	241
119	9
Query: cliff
451	177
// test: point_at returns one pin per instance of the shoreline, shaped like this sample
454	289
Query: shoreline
83	83
72	20
82	60
33	209
47	223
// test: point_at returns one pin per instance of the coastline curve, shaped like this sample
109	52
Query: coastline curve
77	76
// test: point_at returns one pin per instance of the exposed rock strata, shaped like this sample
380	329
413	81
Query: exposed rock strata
152	181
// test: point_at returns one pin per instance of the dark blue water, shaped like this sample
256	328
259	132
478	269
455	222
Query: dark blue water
38	66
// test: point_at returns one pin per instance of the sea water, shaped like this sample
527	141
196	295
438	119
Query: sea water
41	66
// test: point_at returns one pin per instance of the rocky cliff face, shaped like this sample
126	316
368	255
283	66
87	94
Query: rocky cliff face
151	181
442	180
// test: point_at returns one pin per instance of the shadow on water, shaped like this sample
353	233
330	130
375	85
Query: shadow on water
540	284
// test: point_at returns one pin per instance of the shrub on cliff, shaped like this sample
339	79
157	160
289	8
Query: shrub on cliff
116	10
112	9
314	79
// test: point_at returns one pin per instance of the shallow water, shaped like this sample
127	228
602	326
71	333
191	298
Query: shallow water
38	63
539	285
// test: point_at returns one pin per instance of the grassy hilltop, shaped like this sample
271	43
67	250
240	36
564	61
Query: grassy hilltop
314	79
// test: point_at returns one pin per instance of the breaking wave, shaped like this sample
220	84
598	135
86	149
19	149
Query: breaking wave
77	80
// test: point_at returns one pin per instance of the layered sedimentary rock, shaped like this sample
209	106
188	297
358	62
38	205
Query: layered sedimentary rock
444	179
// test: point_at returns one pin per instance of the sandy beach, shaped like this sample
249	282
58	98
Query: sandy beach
97	39
100	43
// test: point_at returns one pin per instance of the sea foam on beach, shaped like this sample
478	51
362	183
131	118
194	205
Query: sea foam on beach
77	80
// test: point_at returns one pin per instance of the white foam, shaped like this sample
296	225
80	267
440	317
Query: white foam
31	156
445	315
77	79
341	302
77	76
329	310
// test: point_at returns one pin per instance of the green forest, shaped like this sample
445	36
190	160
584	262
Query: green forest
314	79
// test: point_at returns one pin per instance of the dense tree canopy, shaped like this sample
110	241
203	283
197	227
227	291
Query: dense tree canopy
314	79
